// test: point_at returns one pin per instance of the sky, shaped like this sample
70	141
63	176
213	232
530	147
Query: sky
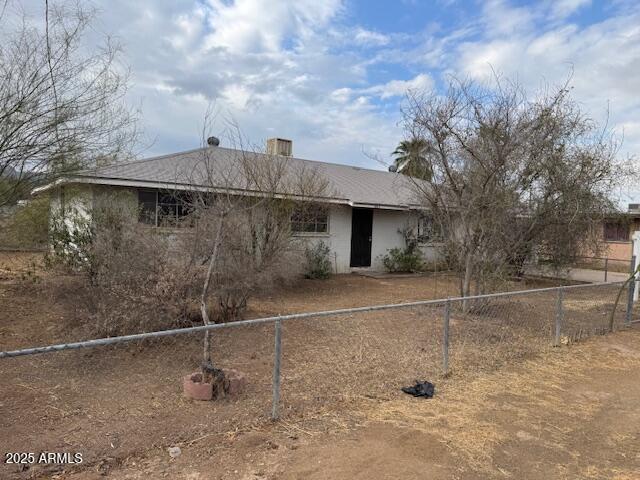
331	75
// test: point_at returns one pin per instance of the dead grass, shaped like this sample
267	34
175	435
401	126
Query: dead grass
461	418
337	373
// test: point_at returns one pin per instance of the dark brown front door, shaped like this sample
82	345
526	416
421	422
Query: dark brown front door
361	226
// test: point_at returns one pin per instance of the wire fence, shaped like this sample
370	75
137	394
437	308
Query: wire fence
585	268
604	264
114	396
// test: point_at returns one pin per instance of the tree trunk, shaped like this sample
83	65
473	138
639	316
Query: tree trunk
207	365
466	284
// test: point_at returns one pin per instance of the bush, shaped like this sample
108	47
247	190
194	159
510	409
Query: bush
141	278
27	225
135	280
70	237
408	259
318	261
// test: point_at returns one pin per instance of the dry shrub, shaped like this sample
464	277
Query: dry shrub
257	255
136	279
143	286
141	279
25	226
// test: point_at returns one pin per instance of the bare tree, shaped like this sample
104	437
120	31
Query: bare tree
61	106
513	176
242	203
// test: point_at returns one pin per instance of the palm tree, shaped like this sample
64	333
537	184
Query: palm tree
411	158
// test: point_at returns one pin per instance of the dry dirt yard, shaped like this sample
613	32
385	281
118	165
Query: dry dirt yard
516	409
573	414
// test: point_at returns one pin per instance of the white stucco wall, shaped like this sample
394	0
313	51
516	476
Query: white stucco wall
432	253
340	232
77	199
386	234
338	238
386	229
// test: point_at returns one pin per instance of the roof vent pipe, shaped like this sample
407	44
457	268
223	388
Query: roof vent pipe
393	168
213	141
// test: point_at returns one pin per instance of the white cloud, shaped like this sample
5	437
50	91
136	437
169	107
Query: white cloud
390	89
272	66
370	38
501	18
399	88
604	57
249	26
303	69
563	8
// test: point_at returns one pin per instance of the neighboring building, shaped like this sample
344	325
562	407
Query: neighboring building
616	234
365	214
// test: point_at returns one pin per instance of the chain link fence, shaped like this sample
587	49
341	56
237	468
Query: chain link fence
113	397
584	269
605	264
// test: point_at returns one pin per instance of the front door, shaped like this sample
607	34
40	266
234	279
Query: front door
361	226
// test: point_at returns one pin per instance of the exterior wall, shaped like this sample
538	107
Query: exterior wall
432	254
386	229
126	198
386	234
75	198
616	250
338	238
340	234
81	199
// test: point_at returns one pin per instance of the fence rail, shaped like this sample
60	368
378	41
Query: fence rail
475	320
587	269
307	366
279	318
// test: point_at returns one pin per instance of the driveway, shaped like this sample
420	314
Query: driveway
579	275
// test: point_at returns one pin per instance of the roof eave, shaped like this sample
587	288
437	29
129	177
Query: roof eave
119	182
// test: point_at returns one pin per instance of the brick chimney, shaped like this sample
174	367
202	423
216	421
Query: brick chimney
279	146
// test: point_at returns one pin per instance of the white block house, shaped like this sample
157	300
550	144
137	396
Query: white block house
365	214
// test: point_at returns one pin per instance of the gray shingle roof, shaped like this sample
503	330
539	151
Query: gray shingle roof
348	184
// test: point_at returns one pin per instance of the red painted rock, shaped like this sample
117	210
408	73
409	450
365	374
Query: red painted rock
194	388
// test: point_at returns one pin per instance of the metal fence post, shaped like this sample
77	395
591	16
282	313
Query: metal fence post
606	268
630	293
559	317
276	370
445	338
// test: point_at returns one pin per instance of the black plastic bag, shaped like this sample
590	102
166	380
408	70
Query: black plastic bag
421	389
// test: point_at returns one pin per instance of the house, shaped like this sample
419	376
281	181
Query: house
366	212
615	236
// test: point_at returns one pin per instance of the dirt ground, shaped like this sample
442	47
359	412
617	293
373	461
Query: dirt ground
572	414
512	405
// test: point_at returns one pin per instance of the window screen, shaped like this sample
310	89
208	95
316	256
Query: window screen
616	232
310	219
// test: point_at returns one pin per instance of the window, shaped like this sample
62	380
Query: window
310	219
164	209
173	208
616	232
147	200
428	230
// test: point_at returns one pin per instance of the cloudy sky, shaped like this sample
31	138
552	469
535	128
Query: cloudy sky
331	74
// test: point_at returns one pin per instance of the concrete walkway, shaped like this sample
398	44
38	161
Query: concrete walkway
579	275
